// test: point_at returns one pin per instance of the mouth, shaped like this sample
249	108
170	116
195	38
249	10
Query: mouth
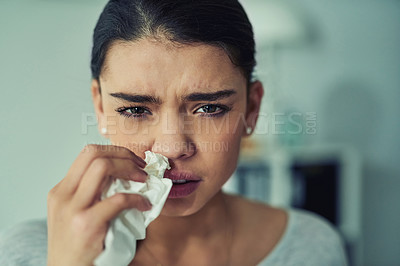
183	184
180	181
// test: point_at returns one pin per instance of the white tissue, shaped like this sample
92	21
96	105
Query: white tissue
130	225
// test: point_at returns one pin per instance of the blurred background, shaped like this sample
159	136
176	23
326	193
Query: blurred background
327	134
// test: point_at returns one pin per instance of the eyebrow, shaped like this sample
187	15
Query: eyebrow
212	96
193	97
136	98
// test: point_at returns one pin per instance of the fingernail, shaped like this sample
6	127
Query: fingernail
141	161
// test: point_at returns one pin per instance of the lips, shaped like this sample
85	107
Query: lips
184	184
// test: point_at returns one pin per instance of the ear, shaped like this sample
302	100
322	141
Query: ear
255	94
98	107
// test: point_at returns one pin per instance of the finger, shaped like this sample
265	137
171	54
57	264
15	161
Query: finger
100	174
109	208
89	154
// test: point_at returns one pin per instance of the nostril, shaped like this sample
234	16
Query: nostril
175	150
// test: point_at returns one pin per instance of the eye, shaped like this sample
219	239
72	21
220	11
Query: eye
212	110
209	109
136	111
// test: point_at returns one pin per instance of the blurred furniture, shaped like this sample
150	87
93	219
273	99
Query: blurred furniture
325	180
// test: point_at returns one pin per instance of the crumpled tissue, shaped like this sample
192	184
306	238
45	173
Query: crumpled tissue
130	225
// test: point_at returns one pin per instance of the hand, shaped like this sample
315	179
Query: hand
77	218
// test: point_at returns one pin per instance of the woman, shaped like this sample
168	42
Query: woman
173	77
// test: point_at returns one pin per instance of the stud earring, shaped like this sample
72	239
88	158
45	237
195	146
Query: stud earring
104	130
249	130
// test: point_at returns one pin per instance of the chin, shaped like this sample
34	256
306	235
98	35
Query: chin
180	207
186	206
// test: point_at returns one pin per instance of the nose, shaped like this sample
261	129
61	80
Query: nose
172	139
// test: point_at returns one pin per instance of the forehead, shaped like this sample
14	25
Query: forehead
156	67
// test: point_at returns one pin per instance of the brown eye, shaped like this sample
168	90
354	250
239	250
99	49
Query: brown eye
213	110
209	109
136	111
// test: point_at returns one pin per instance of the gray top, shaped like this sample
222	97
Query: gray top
308	240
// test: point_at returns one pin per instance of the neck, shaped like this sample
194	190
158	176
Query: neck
198	227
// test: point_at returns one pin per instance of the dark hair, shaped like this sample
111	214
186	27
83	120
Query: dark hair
221	23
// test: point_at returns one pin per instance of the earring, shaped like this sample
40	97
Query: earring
104	130
249	130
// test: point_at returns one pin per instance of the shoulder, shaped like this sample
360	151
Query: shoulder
312	227
308	240
24	244
289	237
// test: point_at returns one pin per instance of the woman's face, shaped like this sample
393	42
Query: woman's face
187	102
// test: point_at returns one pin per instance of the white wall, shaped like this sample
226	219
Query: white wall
45	89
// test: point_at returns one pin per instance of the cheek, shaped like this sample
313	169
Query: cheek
126	132
220	146
227	129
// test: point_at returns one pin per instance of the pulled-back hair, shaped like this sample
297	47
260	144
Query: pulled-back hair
221	23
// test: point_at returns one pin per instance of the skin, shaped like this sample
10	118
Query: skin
206	227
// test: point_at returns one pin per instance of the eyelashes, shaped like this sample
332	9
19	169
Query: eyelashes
134	111
213	110
208	110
